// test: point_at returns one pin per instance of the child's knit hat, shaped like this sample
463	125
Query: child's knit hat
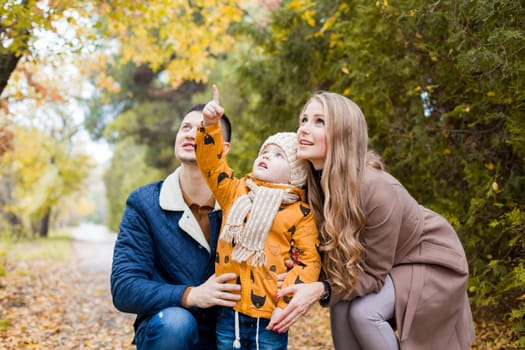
287	141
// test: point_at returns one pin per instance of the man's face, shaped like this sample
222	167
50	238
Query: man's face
185	141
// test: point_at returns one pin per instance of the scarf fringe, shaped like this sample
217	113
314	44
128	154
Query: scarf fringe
259	258
231	233
242	254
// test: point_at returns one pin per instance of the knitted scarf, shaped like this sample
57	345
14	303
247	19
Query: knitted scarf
259	206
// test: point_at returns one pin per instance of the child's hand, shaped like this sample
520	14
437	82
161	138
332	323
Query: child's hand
213	111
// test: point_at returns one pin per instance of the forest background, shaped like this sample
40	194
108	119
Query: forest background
440	82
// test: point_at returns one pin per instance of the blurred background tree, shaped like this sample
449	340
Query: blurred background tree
37	176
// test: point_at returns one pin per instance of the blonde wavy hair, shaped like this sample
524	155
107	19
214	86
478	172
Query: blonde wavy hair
336	202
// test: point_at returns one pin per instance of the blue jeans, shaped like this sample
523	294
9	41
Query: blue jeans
251	336
173	328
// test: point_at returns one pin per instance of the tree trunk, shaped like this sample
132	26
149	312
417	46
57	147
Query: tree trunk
9	57
8	62
44	224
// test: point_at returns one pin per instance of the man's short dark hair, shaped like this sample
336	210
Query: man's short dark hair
225	121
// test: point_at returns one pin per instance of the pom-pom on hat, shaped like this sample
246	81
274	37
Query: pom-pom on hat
287	141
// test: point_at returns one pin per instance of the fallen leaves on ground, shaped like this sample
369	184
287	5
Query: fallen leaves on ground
50	305
59	305
56	305
312	331
66	304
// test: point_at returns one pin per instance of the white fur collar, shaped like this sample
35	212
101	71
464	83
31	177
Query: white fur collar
171	195
170	198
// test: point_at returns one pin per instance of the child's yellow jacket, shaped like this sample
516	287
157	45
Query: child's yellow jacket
293	234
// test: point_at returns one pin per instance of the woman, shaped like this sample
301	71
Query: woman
386	258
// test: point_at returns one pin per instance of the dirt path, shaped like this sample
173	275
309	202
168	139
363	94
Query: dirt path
93	247
93	252
67	304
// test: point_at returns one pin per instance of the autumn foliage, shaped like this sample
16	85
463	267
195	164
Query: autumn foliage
6	140
441	84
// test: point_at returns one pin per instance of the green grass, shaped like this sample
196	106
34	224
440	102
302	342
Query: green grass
55	247
3	261
4	323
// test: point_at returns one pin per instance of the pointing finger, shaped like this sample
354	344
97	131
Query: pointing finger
215	93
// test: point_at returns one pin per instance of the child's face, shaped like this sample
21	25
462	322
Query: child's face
272	166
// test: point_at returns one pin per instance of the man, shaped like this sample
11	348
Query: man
164	256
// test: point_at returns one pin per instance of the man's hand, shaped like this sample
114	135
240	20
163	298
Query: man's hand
215	291
213	111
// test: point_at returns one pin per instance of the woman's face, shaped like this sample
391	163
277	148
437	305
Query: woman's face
312	135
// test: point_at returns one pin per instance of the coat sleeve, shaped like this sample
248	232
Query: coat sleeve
384	214
135	287
306	245
209	150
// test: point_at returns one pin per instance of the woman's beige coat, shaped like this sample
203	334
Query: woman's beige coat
424	256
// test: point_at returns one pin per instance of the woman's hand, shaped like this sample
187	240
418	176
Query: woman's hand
275	314
304	296
213	111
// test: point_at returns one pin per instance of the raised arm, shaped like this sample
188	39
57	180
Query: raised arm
211	156
213	111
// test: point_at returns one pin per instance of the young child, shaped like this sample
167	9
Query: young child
265	222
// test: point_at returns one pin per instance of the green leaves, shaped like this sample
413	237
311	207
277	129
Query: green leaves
442	87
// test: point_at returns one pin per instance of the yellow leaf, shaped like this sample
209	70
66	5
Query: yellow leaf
489	165
294	5
491	94
334	40
310	21
308	16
